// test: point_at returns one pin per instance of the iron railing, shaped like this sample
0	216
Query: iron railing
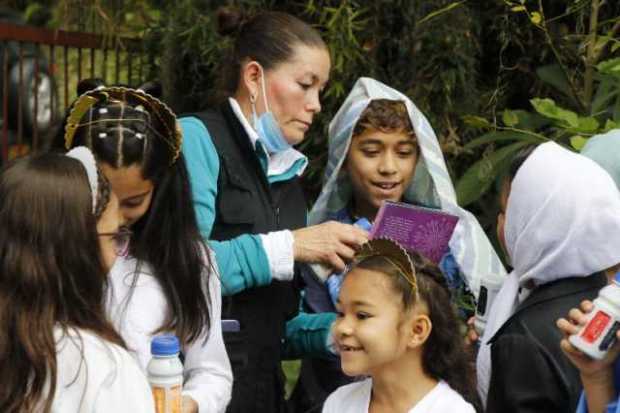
34	58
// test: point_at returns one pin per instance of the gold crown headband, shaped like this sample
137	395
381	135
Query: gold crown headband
392	252
154	106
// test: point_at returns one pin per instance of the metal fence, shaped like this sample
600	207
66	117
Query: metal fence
40	72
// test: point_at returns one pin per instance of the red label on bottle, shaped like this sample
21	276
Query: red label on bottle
595	327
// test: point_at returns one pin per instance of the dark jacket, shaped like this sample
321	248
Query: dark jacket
248	204
529	371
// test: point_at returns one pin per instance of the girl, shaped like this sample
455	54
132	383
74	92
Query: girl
249	201
167	282
58	352
397	325
560	230
381	147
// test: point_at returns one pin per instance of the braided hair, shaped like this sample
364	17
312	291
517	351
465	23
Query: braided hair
124	128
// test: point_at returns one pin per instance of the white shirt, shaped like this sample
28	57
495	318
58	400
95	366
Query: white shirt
355	398
96	376
137	314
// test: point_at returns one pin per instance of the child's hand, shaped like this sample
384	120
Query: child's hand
588	366
471	336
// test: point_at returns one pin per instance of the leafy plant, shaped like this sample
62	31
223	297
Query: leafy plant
590	103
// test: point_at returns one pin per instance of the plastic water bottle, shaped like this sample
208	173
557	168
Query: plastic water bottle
165	374
488	290
323	271
598	335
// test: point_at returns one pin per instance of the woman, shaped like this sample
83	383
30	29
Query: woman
167	281
249	203
59	353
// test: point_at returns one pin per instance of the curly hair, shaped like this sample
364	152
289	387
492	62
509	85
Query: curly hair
385	115
444	355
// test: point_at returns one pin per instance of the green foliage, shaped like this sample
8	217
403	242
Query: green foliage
491	75
428	50
579	101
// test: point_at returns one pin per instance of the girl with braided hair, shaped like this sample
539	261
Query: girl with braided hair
59	223
168	280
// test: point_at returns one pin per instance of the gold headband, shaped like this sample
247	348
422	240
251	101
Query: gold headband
154	106
392	252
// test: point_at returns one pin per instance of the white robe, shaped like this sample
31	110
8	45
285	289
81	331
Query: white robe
355	398
96	376
137	314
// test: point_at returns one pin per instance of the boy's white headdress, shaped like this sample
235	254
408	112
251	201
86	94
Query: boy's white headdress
431	185
562	221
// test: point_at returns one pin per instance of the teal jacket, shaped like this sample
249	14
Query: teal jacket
242	261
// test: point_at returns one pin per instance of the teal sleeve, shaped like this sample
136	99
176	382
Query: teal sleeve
306	336
242	261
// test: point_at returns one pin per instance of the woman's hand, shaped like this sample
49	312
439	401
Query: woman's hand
331	243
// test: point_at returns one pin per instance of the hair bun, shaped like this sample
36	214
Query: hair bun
153	88
88	84
229	20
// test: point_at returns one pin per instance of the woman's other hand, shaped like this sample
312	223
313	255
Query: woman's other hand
330	243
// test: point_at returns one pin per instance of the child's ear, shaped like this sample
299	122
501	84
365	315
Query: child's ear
420	329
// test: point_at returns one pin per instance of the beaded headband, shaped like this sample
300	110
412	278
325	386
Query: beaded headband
392	252
133	97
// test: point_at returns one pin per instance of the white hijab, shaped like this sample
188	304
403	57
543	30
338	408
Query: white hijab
562	220
431	185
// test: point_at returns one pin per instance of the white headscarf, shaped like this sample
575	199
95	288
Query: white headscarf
562	220
431	185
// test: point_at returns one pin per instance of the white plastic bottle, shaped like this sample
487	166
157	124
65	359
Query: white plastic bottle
165	373
599	334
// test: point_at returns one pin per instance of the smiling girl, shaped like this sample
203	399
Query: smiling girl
396	324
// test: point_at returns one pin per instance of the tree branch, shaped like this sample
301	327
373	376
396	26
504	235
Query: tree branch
591	55
558	57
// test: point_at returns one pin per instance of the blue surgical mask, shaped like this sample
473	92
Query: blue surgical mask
266	126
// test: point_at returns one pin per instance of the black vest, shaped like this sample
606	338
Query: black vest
247	204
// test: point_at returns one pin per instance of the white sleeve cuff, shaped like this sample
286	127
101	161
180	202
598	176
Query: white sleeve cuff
278	246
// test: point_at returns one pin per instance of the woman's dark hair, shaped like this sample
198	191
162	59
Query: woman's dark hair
269	38
444	356
166	237
51	273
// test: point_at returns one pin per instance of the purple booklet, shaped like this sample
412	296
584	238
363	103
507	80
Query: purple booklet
424	230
